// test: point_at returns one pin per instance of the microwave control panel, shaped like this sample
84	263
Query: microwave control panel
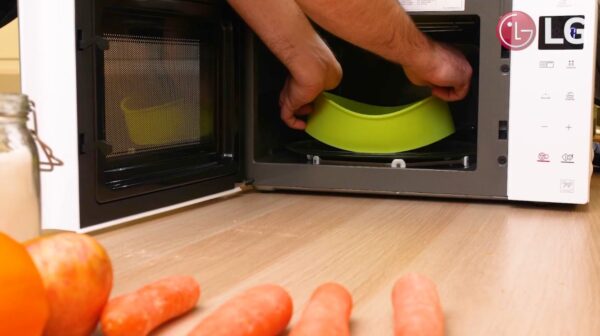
553	45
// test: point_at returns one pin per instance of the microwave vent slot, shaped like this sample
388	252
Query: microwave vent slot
445	27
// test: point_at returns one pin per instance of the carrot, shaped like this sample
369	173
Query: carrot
259	311
140	312
417	308
327	313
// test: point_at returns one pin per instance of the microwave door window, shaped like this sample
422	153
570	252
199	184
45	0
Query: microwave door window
159	93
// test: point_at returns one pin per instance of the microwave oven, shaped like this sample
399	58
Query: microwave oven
158	104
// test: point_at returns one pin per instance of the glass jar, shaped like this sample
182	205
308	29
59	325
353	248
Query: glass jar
19	170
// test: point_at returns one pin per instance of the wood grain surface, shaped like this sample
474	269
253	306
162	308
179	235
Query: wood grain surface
501	268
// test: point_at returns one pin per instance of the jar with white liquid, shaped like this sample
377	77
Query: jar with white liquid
19	170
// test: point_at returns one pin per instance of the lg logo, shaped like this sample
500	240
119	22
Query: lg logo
517	31
561	32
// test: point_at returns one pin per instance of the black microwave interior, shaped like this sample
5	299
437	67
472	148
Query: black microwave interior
373	80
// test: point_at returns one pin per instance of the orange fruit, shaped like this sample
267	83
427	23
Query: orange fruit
23	304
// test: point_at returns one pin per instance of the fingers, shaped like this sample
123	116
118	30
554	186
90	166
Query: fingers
445	94
289	118
454	81
304	110
288	108
452	93
447	72
287	113
460	92
295	100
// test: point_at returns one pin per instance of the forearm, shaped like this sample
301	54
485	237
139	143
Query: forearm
286	30
382	27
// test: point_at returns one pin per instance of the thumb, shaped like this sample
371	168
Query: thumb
450	94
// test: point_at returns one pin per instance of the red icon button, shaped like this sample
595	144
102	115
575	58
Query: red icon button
543	157
516	30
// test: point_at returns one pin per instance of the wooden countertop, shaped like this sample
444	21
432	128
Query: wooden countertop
501	268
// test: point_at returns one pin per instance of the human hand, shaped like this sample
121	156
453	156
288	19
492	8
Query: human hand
442	68
309	77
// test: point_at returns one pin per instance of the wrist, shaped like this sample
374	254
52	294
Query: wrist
419	55
315	66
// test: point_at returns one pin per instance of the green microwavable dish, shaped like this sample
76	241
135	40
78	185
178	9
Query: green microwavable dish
357	127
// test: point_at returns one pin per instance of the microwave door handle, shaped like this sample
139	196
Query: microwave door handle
227	88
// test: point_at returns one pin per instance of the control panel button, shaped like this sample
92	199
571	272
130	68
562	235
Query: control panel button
543	157
547	64
567	186
570	96
568	158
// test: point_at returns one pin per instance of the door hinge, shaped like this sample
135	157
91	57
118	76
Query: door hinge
84	43
245	185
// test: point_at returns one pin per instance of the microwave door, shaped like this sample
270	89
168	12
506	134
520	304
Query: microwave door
138	98
161	128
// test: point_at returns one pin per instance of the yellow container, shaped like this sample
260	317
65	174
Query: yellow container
353	126
154	125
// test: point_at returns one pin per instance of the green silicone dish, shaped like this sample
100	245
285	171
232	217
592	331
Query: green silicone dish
353	126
